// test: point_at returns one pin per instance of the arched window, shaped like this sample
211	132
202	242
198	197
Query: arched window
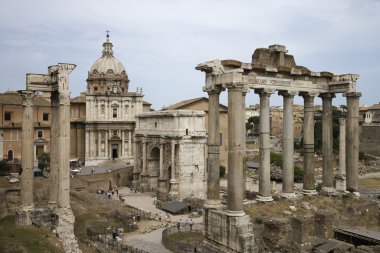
10	155
114	112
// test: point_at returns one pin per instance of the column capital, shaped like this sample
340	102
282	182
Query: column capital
213	89
27	97
342	121
64	97
327	95
309	94
287	93
264	92
352	94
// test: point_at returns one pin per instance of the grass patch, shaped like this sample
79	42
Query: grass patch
187	237
370	182
25	239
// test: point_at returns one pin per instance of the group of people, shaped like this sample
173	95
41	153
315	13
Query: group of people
188	224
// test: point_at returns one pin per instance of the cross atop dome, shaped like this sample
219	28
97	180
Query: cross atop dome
107	51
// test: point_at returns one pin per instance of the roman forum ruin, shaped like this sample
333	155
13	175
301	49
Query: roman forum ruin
272	69
57	83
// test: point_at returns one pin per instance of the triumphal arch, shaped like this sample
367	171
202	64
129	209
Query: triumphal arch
271	70
55	82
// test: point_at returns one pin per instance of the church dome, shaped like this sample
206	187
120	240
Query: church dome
107	63
107	75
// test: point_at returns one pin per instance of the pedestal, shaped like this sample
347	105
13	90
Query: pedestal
226	233
24	217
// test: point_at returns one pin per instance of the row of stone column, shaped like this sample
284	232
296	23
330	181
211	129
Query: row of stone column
94	152
236	148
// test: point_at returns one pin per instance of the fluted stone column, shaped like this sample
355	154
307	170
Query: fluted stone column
235	188
213	162
288	145
64	149
136	170
264	172
54	150
144	172
129	143
342	145
308	143
122	143
106	144
27	153
352	141
173	181
327	141
161	160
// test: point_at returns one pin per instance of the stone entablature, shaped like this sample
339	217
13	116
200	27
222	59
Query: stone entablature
170	154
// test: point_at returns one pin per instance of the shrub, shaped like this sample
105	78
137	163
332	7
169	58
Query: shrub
298	174
5	167
222	171
276	159
361	156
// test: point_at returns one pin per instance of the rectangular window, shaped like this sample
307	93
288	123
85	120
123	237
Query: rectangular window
45	117
7	116
40	134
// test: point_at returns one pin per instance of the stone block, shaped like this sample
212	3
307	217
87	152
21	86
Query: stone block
276	233
302	231
233	233
324	222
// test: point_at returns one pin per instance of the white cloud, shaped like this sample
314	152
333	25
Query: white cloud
160	42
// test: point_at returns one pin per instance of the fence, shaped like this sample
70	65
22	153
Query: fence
179	246
140	214
106	240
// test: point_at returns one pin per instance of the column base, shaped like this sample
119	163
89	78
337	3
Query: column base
24	216
235	213
309	192
328	191
288	195
264	199
213	204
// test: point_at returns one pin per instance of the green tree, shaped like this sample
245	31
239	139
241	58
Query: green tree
222	171
44	162
253	121
336	114
276	159
5	168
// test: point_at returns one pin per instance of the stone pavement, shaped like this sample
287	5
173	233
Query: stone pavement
150	242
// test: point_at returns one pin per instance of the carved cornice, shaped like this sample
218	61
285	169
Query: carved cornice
352	94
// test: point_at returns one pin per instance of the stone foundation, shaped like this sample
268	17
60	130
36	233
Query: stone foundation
23	217
225	233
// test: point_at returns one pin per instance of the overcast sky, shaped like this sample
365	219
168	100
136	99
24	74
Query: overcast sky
161	41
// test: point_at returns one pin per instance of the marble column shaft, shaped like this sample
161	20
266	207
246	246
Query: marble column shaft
129	143
161	161
327	140
235	182
288	143
264	155
308	142
213	161
352	141
64	150
342	146
54	149
172	176
144	172
27	160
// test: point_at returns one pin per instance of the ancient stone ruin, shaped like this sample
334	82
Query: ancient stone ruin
272	69
58	213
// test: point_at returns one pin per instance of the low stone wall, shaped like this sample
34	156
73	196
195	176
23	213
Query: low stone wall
9	201
117	177
175	246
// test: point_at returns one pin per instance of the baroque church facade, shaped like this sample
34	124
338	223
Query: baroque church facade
103	118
